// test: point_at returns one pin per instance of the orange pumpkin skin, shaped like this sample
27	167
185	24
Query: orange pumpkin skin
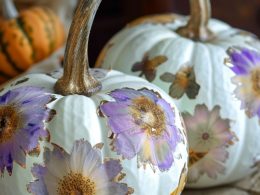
32	36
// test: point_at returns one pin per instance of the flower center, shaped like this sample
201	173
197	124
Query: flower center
205	136
9	123
76	184
149	116
255	76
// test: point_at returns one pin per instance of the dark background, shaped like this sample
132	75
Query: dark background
113	15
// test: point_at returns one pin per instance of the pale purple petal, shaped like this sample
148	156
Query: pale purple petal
243	60
124	94
115	108
110	168
168	111
172	136
38	187
121	124
82	150
151	95
128	146
163	153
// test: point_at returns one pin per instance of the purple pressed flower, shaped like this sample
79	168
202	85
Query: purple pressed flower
22	114
246	66
143	124
81	172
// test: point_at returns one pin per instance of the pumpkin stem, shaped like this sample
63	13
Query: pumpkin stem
76	78
197	26
9	9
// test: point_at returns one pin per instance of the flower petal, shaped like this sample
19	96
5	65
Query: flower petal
114	109
163	154
129	146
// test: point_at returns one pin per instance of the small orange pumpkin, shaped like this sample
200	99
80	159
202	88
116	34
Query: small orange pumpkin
27	38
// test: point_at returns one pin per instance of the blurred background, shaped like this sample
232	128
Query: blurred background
113	15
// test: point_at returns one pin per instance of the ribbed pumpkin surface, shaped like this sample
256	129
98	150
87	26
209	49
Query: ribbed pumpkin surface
25	40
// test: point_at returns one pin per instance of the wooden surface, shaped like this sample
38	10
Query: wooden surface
248	186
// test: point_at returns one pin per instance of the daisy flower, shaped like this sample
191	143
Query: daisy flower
143	124
22	114
81	172
209	135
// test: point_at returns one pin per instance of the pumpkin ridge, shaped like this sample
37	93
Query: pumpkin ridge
52	44
6	76
20	23
7	55
47	27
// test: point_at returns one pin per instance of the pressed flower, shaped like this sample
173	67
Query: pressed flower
22	114
246	66
209	135
81	172
212	164
184	81
148	66
143	124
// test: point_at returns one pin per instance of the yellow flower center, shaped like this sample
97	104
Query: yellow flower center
255	77
76	184
9	122
148	115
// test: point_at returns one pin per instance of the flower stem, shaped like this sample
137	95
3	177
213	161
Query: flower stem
9	9
197	26
76	78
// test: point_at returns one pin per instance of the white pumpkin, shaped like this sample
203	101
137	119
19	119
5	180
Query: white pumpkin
188	63
162	145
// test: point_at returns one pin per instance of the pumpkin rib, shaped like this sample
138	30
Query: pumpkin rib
20	24
34	28
8	56
4	76
46	20
57	28
6	68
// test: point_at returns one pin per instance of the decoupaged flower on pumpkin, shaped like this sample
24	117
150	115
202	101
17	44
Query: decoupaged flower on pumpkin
148	67
81	172
184	81
246	66
211	163
22	114
143	124
209	135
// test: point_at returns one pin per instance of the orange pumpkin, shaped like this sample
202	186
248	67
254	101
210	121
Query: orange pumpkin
27	38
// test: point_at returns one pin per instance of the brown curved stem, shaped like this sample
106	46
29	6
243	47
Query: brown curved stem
197	26
76	77
9	9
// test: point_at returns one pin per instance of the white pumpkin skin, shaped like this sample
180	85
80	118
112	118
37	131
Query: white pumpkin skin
77	118
157	39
